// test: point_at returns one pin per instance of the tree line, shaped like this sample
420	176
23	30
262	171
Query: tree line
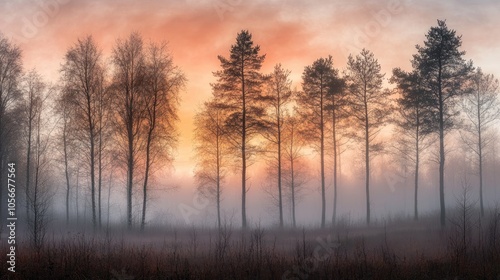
96	120
254	114
103	117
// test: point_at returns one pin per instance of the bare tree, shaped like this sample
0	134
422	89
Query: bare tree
445	72
279	96
104	133
10	75
212	152
312	104
295	172
128	84
163	83
240	84
63	108
82	80
369	106
38	196
32	88
482	109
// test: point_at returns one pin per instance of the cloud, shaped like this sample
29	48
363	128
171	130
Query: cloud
291	32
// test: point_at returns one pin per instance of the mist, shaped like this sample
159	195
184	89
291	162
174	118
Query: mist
266	140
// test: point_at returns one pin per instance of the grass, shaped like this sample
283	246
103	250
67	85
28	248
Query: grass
398	249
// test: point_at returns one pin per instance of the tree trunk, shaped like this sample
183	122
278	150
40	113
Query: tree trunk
146	177
36	208
99	183
76	197
109	199
243	152
334	124
367	162
441	152
130	156
92	180
292	175
417	162
279	166
480	153
130	179
218	175
322	152
66	171
28	163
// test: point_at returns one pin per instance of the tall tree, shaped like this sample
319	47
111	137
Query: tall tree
294	171
10	75
33	89
70	151
128	84
337	108
65	112
414	120
104	132
35	115
162	85
83	79
369	106
442	67
212	150
278	95
312	104
482	109
240	84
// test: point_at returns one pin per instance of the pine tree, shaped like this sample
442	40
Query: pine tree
369	106
312	107
445	72
414	121
240	85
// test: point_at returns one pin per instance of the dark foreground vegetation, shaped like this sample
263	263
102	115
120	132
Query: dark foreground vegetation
468	248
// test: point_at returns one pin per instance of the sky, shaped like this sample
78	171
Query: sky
291	32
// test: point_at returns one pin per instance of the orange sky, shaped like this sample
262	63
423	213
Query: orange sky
292	32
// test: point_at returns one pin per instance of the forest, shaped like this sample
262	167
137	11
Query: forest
105	133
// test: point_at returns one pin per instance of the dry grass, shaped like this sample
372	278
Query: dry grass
392	250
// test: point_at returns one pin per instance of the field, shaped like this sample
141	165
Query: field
467	248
